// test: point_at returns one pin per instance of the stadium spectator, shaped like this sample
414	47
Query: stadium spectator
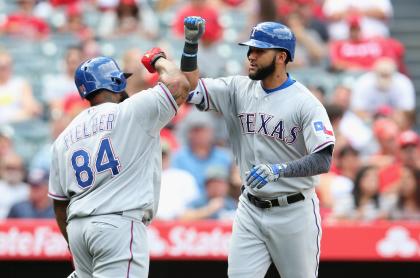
386	159
335	114
6	142
368	204
212	64
141	79
409	154
318	92
122	18
42	158
346	162
310	48
63	2
360	54
74	24
90	48
235	182
216	203
335	188
38	205
309	11
384	86
200	153
352	124
56	87
374	17
16	100
23	23
12	187
407	206
178	188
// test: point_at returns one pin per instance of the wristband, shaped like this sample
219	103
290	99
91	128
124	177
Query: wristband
189	57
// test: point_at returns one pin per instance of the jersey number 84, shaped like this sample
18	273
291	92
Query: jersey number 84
105	160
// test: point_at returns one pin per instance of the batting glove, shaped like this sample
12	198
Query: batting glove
262	174
194	27
150	57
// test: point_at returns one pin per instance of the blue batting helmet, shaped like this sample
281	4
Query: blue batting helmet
99	73
272	35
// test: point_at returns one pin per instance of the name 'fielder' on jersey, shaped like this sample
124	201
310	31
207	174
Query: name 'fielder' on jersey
282	138
106	165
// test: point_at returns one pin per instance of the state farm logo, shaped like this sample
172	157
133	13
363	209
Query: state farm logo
397	242
189	241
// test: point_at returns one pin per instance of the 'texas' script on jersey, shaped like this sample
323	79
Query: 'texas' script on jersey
267	125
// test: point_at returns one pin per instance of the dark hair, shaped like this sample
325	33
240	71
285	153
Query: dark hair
334	112
357	191
402	200
134	10
347	149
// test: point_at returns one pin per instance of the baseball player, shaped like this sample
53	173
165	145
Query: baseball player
282	138
106	165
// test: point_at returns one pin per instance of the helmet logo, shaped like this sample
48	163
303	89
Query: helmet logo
253	31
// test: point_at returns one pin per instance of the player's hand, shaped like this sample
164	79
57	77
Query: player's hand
194	27
262	174
150	57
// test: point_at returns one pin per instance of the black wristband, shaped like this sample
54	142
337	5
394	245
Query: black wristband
189	57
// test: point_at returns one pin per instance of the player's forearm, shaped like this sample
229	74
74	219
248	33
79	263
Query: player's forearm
60	209
310	165
192	78
194	28
174	79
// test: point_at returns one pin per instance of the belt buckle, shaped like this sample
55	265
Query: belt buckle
268	202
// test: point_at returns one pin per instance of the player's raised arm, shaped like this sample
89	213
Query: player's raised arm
155	60
194	27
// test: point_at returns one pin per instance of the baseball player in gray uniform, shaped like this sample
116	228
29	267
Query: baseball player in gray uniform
282	138
106	165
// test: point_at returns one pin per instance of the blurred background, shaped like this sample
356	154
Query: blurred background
361	59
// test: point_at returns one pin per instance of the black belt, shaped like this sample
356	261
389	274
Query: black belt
261	203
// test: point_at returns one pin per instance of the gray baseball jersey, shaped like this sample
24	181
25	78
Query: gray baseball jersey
108	159
270	127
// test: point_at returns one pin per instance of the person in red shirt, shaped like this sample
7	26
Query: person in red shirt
386	159
203	9
24	24
358	53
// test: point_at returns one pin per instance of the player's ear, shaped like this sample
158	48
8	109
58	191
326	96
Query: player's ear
281	56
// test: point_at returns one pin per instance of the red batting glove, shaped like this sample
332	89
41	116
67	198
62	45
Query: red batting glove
150	57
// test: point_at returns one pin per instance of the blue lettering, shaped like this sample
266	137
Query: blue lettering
250	123
278	131
264	122
241	119
293	135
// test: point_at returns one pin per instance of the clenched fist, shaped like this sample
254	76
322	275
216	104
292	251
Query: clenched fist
194	27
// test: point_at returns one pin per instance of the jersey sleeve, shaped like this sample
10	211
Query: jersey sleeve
55	189
153	108
316	127
218	93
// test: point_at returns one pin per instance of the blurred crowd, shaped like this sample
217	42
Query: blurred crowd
345	56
